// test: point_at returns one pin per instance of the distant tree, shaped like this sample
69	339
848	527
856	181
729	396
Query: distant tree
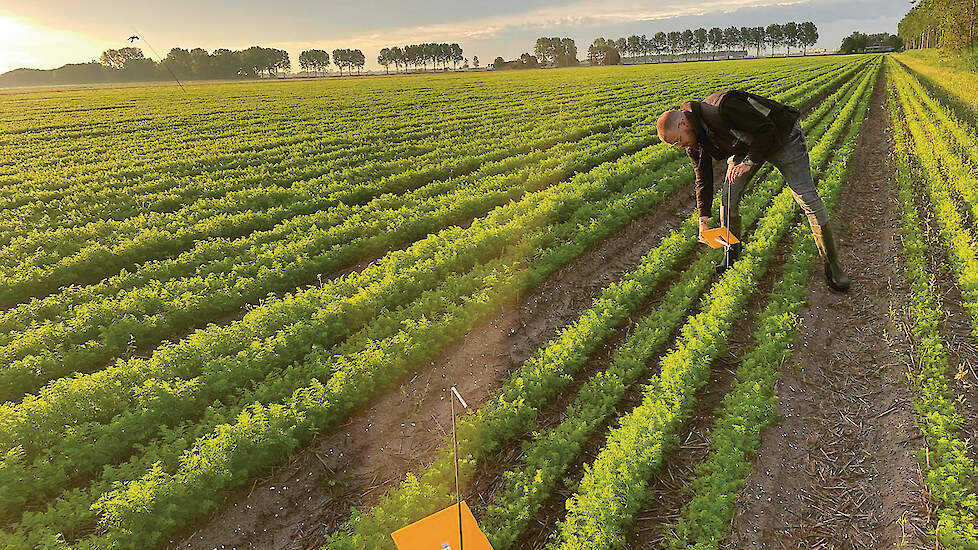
634	45
700	39
385	59
660	42
808	35
543	49
358	60
200	63
643	45
178	62
603	52
499	63
118	59
397	57
475	61
674	41
745	38
456	54
567	53
278	60
893	42
789	33
731	37
340	59
716	40
621	46
318	60
225	63
686	41
560	52
855	42
775	35
759	38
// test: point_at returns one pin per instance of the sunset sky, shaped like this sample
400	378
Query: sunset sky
49	33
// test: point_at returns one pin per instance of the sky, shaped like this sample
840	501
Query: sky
45	34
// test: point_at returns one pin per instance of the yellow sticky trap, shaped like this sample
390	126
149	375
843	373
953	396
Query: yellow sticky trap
720	236
439	531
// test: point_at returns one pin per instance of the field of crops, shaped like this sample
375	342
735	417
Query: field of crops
229	317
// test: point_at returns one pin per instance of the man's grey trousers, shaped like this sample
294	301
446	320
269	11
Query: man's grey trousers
793	163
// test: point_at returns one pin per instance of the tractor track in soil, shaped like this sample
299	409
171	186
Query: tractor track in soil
299	502
838	468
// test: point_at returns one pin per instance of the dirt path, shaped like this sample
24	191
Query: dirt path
838	470
312	494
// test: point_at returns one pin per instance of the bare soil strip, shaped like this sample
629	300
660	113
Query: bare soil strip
312	494
839	470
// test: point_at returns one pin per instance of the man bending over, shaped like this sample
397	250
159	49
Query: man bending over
749	130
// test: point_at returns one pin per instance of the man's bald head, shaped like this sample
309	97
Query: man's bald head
674	128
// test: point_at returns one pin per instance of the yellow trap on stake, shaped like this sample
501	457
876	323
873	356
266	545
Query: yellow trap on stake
718	237
444	530
440	531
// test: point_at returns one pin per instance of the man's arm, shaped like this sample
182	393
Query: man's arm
703	168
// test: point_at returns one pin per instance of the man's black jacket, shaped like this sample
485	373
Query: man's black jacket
749	127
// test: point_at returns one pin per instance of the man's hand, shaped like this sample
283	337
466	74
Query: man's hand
736	171
704	226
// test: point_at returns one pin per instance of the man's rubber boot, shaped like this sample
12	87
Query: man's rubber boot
834	276
732	253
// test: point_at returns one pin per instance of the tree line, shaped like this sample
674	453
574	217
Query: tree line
945	24
607	51
419	55
858	42
197	63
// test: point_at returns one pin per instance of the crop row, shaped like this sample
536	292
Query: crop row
306	165
208	130
595	403
129	316
72	454
155	394
297	112
453	135
950	474
513	409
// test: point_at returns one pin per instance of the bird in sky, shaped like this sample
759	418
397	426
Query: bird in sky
133	38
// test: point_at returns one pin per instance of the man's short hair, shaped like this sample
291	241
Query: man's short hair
667	124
